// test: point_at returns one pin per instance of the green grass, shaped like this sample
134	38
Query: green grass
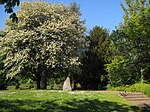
58	101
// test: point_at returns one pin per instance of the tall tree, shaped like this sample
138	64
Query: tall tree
132	39
46	36
94	75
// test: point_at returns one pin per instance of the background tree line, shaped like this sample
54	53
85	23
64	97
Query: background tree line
48	43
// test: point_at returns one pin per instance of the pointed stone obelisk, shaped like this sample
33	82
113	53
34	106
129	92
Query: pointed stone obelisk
67	85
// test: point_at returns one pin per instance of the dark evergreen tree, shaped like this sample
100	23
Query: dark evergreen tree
94	75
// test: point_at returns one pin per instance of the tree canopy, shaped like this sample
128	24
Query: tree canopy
94	75
46	36
132	40
49	41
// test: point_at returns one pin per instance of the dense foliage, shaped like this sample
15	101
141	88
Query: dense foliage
3	82
94	75
138	87
48	43
132	41
47	36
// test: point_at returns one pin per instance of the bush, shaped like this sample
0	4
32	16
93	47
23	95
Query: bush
11	88
144	88
29	84
57	87
118	72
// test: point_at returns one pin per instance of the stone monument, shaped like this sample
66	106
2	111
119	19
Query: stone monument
67	85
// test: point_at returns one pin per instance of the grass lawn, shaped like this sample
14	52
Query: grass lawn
58	101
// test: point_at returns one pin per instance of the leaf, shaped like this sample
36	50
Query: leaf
13	3
14	17
9	10
18	2
2	1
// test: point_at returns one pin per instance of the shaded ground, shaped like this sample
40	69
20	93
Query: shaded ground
59	101
70	106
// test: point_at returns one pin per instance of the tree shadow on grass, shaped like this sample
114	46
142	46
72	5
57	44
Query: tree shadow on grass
65	106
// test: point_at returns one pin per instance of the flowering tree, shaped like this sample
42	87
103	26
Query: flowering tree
46	36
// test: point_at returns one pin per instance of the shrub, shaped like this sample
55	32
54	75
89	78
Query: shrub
144	88
58	86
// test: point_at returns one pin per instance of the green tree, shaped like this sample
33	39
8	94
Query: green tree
132	40
47	36
94	76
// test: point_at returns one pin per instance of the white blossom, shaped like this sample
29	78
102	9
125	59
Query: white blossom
46	34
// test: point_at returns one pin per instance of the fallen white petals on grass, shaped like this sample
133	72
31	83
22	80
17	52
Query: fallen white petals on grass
39	95
79	92
13	92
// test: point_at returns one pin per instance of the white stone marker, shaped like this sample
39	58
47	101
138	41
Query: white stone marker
67	85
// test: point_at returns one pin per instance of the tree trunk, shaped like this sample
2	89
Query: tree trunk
75	85
96	85
43	82
38	81
75	81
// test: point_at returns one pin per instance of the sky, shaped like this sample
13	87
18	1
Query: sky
103	13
